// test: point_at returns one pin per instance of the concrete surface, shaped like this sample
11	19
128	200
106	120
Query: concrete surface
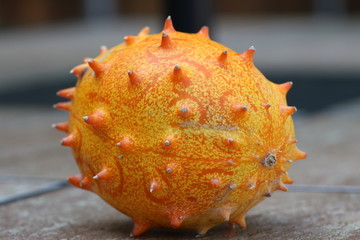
30	156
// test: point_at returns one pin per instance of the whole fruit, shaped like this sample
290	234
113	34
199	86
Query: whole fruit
178	131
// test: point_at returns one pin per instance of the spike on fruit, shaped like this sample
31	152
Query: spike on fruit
166	42
96	119
144	32
98	67
139	228
183	139
204	32
179	76
287	179
66	93
300	154
66	106
154	186
125	143
223	56
282	187
225	213
75	180
79	70
240	221
248	55
285	87
168	26
130	39
62	126
176	218
68	141
267	106
287	110
133	78
103	49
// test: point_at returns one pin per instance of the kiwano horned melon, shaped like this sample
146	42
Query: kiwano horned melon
178	131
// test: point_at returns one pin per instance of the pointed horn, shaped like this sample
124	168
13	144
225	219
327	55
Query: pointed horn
103	49
204	32
79	70
179	76
68	141
144	32
63	106
287	180
223	56
300	154
176	218
97	67
75	180
103	174
282	187
130	39
165	41
225	213
287	110
133	77
241	222
168	26
66	93
139	228
248	55
285	87
96	119
62	126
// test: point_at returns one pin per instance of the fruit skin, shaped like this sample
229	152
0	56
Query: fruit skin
178	131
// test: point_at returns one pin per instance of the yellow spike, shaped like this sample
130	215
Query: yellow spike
103	174
300	154
165	41
287	110
75	180
79	70
96	119
248	55
154	186
66	93
103	49
97	67
285	87
62	126
176	218
168	26
133	77
139	228
267	106
130	39
204	32
69	141
179	76
287	180
223	56
282	187
144	32
225	213
63	106
241	221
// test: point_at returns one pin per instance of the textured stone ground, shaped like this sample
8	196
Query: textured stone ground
31	158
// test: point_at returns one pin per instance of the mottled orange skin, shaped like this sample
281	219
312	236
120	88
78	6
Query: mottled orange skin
181	140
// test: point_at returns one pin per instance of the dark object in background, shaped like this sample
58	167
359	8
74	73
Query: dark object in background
190	15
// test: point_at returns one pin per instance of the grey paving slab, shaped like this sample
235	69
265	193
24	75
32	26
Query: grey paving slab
75	214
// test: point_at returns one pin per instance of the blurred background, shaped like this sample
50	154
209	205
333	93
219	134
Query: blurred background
314	43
